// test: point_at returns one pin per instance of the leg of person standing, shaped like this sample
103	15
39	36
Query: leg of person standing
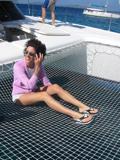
52	10
44	7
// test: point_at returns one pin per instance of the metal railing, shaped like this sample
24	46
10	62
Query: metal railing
65	15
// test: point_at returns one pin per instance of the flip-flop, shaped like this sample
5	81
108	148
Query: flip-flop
88	111
80	120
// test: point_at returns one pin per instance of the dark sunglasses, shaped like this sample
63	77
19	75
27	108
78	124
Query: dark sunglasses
29	53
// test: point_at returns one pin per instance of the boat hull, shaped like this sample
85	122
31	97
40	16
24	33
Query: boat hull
101	14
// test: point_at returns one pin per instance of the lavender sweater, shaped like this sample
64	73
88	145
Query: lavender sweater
23	82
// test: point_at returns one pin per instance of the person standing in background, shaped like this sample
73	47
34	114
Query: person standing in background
51	5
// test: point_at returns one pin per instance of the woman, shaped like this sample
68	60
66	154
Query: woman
26	74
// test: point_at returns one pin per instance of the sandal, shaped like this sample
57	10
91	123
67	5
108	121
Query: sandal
80	120
89	111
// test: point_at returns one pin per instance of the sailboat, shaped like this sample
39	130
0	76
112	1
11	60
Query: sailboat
101	12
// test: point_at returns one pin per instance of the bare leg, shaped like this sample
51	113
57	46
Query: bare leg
43	14
53	17
32	98
66	96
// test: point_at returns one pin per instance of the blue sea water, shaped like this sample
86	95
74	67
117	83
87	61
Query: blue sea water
74	15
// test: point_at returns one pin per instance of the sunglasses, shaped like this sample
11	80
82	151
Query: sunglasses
29	53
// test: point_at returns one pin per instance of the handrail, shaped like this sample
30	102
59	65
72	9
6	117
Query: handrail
29	10
109	24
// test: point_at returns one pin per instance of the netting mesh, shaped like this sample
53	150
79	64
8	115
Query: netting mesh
38	132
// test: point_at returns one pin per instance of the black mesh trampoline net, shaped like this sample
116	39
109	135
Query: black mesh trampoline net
38	132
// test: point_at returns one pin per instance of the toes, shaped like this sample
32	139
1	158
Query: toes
93	110
87	119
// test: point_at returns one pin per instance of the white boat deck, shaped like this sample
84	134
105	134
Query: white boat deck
98	45
58	37
33	24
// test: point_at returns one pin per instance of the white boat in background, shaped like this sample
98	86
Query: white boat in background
101	12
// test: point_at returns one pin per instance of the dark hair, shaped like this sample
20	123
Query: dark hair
38	45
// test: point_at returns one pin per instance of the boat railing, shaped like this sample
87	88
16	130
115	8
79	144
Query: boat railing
110	23
53	55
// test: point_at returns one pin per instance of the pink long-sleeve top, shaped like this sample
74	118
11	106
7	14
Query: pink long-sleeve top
23	82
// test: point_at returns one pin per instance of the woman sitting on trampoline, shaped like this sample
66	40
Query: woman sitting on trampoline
29	70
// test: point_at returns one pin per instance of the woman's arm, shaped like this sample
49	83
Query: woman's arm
43	77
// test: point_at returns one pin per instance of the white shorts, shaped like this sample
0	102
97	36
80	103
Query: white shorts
15	97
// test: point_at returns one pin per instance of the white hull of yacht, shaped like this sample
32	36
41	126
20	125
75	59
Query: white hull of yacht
98	13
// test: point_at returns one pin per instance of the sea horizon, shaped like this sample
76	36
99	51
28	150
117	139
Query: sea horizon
77	4
74	15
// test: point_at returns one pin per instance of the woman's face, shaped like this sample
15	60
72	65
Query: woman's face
30	55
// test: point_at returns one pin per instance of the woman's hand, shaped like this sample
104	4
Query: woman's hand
44	88
38	61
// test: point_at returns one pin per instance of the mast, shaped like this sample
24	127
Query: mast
29	7
106	5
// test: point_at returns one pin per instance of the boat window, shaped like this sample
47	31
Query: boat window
9	11
14	34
